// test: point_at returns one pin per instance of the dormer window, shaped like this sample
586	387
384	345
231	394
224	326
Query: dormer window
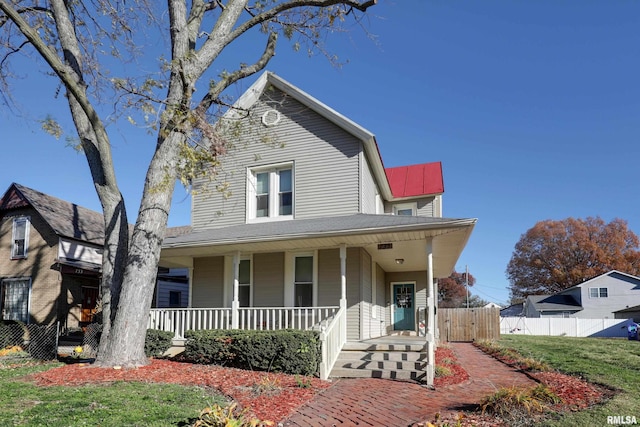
270	193
407	209
20	240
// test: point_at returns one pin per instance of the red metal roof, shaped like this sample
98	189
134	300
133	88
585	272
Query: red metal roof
416	180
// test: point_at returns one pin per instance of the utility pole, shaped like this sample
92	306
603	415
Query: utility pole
466	284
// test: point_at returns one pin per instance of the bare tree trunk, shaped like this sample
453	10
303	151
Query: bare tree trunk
125	346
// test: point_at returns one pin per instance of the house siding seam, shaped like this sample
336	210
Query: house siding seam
321	188
329	277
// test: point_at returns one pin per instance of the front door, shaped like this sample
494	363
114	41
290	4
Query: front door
403	302
89	299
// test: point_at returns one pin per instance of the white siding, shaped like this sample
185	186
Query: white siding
325	158
353	294
426	206
369	188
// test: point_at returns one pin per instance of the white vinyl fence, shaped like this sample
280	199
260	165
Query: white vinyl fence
571	327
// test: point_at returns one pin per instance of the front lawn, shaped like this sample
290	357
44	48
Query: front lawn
120	403
614	363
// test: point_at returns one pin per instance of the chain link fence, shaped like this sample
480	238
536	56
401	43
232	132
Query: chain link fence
18	340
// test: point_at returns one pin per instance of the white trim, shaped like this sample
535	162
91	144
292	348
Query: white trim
274	189
404	206
374	291
27	227
289	277
16	279
393	302
250	284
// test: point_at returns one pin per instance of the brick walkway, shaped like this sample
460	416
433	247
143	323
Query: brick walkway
376	402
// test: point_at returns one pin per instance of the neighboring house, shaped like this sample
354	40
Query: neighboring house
629	313
50	259
598	298
172	290
491	305
310	219
514	310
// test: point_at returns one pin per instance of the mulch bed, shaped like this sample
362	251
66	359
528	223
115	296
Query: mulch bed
242	386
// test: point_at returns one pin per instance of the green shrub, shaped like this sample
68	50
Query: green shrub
157	342
289	351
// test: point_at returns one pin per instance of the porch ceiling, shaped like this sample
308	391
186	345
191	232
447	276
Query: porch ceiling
407	235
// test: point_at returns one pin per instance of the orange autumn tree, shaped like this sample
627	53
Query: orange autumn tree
555	255
452	290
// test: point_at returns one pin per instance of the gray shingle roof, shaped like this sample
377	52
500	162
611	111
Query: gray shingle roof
555	303
65	218
349	224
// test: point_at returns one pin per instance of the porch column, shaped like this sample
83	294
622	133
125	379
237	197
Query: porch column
431	311
343	290
235	303
343	276
190	278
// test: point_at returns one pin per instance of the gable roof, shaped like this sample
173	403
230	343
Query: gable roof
65	218
612	273
251	96
554	302
416	180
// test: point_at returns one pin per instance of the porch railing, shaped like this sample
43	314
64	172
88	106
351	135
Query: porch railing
329	321
272	318
179	320
333	337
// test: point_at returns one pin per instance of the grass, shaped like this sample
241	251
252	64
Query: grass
614	363
115	404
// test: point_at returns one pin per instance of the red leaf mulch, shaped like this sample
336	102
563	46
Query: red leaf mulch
445	357
238	384
576	394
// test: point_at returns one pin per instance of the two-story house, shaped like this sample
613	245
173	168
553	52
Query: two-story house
311	227
50	259
597	298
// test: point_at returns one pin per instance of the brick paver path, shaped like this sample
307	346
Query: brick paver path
376	402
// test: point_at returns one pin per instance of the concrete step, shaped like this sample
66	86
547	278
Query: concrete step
392	356
383	365
361	346
378	373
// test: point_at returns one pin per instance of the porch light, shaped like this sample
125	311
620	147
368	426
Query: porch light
399	260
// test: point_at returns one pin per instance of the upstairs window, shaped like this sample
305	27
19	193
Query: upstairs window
20	240
598	292
270	193
407	209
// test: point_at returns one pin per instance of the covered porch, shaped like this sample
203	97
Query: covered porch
362	277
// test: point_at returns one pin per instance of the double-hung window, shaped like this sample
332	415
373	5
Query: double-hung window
14	300
270	192
598	292
303	281
244	283
20	240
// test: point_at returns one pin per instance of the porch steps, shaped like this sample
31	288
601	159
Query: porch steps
389	361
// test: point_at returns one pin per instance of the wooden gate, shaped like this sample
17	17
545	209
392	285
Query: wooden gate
469	324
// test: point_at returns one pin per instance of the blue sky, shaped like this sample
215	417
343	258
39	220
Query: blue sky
533	107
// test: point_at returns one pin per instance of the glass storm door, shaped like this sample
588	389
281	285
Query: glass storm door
404	313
